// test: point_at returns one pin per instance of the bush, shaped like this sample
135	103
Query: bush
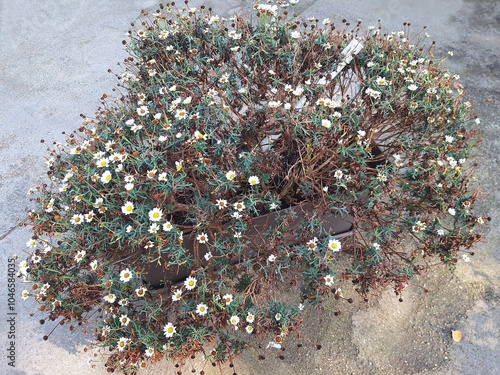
223	123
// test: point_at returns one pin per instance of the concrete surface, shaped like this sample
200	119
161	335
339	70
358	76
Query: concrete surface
54	57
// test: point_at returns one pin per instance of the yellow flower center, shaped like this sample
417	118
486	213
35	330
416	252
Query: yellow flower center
191	283
129	208
156	215
77	219
202	309
170	330
108	178
126	275
334	245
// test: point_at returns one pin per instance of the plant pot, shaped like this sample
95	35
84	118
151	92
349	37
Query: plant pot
157	276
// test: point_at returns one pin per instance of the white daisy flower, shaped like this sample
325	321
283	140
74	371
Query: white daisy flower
122	343
190	283
89	216
231	175
312	244
124	320
328	280
201	309
110	298
77	219
381	81
240	206
103	162
80	255
181	114
98	202
234	320
169	330
253	180
125	275
167	227
221	203
177	295
142	110
373	93
155	214
128	208
334	245
202	238
154	228
227	298
106	177
250	318
151	174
